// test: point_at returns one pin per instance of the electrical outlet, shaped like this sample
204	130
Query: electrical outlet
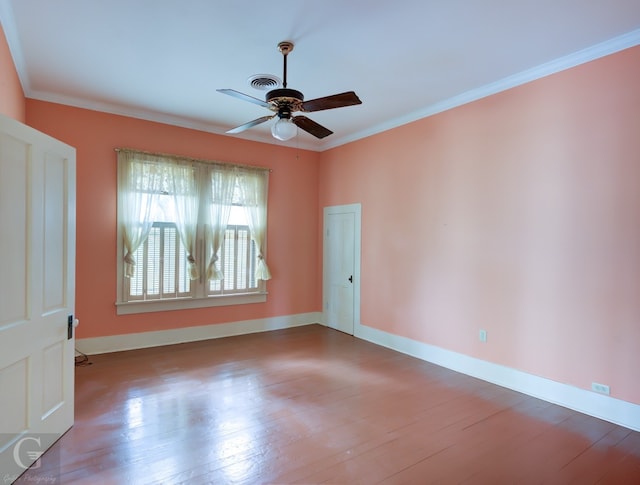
601	388
482	335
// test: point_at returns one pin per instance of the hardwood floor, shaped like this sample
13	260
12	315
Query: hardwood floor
312	405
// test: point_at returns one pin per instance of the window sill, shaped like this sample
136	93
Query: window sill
131	307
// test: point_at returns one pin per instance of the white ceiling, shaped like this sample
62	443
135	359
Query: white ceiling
164	59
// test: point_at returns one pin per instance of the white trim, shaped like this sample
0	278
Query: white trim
610	409
356	210
132	341
611	46
145	306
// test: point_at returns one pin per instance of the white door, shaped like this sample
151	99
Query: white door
341	267
37	290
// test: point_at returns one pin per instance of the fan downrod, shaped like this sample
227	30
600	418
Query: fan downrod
288	99
285	47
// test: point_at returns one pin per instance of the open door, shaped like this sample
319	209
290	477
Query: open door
37	291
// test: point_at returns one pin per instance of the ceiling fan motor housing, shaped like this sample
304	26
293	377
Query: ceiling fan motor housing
284	94
285	101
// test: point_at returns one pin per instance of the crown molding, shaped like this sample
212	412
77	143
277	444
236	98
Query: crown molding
611	46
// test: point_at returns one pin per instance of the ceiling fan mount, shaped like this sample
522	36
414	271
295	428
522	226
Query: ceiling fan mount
285	47
285	101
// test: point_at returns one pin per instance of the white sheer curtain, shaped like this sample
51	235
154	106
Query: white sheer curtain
253	192
222	182
138	186
155	187
186	199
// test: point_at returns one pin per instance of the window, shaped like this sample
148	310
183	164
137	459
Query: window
161	266
191	233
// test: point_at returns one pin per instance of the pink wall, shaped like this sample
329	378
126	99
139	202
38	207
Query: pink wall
12	102
519	214
293	216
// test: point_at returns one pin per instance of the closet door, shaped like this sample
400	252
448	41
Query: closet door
341	267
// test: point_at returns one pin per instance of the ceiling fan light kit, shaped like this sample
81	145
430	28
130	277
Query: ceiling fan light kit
284	129
284	101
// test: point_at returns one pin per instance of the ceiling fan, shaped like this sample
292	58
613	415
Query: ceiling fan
285	102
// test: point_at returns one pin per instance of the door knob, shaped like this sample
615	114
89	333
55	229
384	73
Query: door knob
351	279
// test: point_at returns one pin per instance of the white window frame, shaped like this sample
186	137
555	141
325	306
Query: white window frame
200	296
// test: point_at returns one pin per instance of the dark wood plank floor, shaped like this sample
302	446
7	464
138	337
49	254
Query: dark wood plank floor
312	405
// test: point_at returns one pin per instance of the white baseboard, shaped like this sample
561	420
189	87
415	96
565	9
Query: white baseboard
132	341
600	406
610	409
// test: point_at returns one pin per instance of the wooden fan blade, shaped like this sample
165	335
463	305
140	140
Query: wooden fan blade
245	97
311	126
246	126
330	102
